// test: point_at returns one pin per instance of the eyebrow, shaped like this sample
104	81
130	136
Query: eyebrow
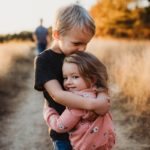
74	73
77	42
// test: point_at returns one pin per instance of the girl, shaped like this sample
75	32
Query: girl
86	76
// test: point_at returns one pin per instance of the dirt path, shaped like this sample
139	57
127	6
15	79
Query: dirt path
25	128
123	141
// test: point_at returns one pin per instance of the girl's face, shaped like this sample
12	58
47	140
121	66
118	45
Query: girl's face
73	41
73	81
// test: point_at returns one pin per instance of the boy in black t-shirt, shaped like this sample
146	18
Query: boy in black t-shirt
72	31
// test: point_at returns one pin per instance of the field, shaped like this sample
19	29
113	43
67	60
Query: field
128	66
15	60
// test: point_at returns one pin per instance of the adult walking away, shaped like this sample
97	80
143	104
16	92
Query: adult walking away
41	37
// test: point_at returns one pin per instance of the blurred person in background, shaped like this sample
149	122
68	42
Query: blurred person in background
41	37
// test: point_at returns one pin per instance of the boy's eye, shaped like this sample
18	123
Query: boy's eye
76	44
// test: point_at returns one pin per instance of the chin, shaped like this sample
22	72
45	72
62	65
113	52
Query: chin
72	90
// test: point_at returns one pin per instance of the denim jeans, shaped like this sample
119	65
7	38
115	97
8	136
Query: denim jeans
62	145
41	47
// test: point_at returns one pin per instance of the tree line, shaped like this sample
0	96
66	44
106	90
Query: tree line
22	36
25	35
116	19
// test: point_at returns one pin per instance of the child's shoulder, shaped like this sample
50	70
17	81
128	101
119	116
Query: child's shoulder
45	53
48	53
49	56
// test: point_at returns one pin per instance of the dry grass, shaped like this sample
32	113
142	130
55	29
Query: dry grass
9	52
129	68
16	60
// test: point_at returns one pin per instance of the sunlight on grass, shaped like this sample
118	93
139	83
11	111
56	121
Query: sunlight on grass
11	51
129	69
127	62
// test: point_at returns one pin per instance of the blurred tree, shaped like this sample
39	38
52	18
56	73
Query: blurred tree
114	18
24	35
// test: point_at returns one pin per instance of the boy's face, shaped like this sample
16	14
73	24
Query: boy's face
73	81
73	41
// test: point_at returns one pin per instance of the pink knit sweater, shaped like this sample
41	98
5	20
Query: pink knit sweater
84	132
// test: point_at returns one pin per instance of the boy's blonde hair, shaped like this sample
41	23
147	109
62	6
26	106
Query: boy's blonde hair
90	68
73	16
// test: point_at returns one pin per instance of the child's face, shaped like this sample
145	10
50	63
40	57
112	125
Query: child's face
73	81
73	41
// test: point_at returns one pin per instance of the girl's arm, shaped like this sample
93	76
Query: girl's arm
100	105
63	123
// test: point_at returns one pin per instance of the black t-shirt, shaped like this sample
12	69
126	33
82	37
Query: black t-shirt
48	66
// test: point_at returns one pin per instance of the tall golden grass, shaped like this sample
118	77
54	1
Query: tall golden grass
128	64
11	51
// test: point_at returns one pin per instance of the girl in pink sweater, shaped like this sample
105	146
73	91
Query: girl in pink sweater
84	75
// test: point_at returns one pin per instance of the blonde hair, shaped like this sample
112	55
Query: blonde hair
90	68
73	16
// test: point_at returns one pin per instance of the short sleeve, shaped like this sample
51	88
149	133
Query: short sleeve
44	71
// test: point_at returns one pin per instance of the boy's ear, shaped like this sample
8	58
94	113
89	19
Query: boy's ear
55	35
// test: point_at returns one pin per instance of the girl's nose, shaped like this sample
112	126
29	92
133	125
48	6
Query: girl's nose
68	81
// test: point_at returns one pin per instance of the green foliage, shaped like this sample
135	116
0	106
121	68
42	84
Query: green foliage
113	18
25	35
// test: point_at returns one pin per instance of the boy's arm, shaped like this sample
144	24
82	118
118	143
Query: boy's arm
63	123
100	105
103	103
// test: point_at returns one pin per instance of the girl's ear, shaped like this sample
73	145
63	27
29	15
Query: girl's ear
55	35
93	80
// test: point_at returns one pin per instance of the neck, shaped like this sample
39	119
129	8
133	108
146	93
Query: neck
55	47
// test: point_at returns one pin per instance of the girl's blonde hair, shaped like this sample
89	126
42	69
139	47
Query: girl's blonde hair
73	16
90	68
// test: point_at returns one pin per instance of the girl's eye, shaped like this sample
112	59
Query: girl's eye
65	78
75	77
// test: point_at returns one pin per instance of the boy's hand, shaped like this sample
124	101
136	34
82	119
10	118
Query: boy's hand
103	105
45	103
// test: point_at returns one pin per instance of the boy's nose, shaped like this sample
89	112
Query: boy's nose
82	48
